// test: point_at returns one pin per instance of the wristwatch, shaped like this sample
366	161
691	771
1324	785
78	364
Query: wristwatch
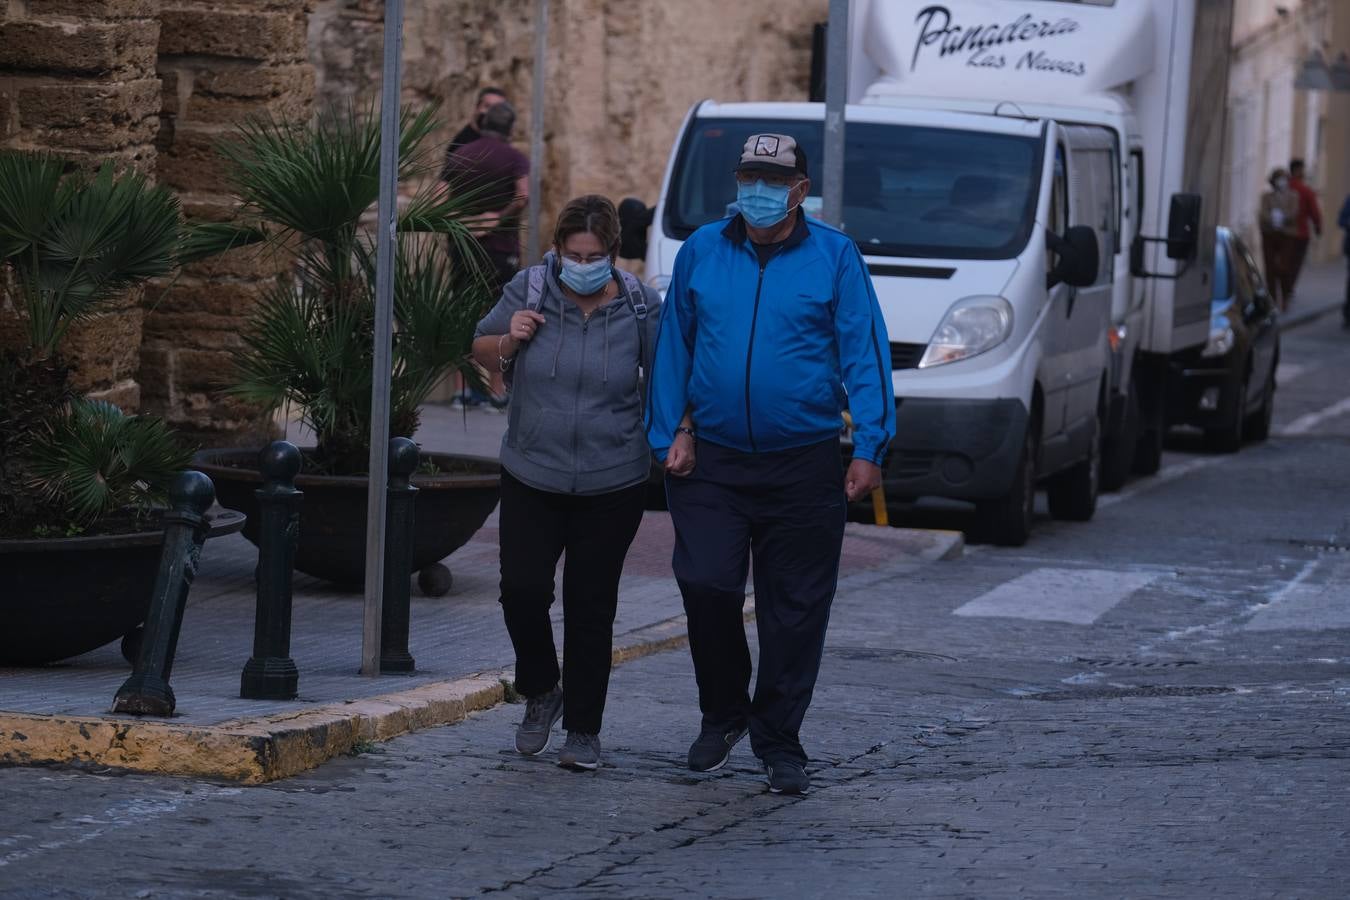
685	430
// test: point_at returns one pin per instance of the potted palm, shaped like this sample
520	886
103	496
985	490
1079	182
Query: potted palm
303	191
81	482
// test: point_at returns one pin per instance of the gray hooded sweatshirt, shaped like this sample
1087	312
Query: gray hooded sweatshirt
575	418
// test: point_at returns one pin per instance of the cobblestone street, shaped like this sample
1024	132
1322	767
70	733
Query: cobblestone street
1153	704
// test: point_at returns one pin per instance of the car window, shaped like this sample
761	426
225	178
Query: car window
1223	271
1258	287
1244	277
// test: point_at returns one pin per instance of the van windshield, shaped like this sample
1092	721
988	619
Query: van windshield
908	191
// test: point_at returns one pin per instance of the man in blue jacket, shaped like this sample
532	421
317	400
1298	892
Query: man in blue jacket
769	331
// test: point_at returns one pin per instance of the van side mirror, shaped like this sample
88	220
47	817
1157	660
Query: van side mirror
635	217
1183	226
1078	257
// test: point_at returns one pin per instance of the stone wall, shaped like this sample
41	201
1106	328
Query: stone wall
621	73
220	61
77	78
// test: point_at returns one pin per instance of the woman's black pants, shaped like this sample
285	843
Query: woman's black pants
537	527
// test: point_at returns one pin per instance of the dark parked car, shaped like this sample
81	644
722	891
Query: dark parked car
1227	387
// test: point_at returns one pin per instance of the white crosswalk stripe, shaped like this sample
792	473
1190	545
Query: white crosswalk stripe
1076	596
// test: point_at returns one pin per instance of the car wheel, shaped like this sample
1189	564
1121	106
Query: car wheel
1227	438
1073	492
1118	453
1007	520
1257	425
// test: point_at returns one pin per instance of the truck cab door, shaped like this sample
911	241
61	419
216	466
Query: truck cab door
1092	169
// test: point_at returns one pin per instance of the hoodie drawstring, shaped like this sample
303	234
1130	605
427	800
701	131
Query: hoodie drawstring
562	323
605	369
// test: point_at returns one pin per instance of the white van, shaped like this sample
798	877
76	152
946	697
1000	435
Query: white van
1009	167
982	235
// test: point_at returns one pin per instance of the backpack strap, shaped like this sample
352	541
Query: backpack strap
638	301
534	294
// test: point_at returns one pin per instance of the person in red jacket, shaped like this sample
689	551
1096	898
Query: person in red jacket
1308	223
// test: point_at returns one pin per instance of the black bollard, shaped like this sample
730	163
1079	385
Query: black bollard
270	674
147	691
398	550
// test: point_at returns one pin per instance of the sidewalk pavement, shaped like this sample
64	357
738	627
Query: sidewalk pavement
1321	291
57	714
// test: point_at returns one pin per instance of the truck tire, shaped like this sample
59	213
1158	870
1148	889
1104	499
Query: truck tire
1073	492
1227	438
1006	522
1152	429
1118	453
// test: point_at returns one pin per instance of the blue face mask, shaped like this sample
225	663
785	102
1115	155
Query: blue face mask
585	278
762	205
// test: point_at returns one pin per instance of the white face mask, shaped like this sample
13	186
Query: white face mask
1281	184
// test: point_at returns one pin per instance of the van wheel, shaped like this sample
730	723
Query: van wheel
1257	425
1227	438
1118	453
1073	492
1007	520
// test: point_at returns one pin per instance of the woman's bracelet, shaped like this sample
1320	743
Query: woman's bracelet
683	429
503	362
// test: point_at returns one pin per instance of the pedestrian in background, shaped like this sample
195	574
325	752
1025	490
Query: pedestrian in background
1343	220
488	97
769	319
496	176
1307	224
573	332
1278	212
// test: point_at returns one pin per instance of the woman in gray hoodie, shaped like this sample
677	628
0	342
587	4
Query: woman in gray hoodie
573	336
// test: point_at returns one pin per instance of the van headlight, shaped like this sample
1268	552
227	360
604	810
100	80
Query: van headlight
971	327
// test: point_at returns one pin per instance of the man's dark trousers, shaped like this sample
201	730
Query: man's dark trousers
787	509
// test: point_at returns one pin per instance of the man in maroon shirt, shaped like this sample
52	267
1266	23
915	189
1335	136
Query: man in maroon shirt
1308	222
498	176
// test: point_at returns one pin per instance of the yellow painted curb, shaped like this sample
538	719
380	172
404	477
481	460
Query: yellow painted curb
262	749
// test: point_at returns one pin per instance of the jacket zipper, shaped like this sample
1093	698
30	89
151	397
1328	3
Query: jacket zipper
576	403
750	354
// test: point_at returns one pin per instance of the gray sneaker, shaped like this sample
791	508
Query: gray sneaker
541	714
582	751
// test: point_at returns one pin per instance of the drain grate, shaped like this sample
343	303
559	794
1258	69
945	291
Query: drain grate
1147	690
887	653
1133	663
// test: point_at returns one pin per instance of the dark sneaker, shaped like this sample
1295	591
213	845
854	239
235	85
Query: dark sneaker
712	748
582	751
541	714
787	776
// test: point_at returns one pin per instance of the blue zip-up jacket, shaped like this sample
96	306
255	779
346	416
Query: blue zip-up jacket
764	355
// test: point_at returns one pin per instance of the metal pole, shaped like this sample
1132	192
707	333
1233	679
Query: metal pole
836	93
384	335
532	244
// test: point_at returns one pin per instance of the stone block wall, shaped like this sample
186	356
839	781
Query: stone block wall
77	78
621	73
220	61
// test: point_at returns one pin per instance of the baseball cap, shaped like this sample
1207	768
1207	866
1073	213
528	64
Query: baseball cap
776	154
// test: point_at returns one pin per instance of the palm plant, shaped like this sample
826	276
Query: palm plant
70	245
303	190
93	461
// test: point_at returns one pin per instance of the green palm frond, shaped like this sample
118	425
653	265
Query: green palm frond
76	244
93	460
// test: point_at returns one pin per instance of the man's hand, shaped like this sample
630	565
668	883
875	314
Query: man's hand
862	479
680	456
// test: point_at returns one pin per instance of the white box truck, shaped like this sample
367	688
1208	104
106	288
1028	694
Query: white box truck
1033	184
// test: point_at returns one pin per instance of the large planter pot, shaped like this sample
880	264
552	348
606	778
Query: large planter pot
60	597
332	544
